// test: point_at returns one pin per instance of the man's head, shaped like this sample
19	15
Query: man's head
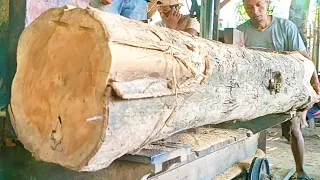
257	9
165	6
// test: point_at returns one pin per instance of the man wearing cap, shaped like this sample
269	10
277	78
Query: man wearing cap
276	34
171	18
132	9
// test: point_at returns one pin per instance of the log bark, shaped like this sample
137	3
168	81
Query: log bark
92	86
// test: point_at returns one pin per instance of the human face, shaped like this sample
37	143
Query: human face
166	9
257	10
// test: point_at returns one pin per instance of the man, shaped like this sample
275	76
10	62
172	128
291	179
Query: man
171	18
132	9
276	34
152	6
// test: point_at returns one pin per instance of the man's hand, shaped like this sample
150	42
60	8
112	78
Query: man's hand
106	1
316	88
315	82
173	19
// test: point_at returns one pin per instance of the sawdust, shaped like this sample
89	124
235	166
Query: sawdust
237	168
118	170
158	147
207	137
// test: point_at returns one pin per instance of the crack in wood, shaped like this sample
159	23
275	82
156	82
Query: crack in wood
156	34
59	23
57	136
151	83
87	29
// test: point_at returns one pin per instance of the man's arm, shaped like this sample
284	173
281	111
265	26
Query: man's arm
95	3
305	54
223	3
314	79
152	8
106	1
297	44
192	31
193	27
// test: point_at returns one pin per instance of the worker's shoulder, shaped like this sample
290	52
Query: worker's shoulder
187	22
187	17
283	23
244	26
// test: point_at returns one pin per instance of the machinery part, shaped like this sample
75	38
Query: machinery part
259	169
158	153
259	124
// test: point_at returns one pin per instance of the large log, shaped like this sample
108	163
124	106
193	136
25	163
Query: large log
92	86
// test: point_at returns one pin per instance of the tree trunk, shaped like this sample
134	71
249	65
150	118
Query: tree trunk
298	14
316	41
92	86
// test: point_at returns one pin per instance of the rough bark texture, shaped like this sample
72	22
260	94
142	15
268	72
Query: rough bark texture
92	86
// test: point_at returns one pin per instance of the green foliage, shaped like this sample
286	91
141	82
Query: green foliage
241	15
317	13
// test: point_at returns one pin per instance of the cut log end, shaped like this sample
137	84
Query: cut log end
62	118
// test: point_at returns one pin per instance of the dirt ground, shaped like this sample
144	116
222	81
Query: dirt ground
280	156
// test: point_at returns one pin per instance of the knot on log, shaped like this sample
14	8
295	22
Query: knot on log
275	82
